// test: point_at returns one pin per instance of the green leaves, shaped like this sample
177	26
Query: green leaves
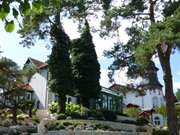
37	7
4	10
25	8
9	26
15	13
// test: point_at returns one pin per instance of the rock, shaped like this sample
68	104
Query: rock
91	118
13	130
69	118
79	127
41	126
3	130
89	128
70	127
6	123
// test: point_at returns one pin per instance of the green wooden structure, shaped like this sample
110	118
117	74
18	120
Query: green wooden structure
109	100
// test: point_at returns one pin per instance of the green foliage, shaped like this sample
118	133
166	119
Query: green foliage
77	125
132	112
178	95
109	115
161	110
61	116
9	26
142	121
86	69
12	86
35	119
23	8
160	132
72	108
53	107
61	80
29	71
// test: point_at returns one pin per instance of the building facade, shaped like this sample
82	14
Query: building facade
108	100
147	96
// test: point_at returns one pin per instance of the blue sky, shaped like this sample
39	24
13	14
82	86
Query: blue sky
12	49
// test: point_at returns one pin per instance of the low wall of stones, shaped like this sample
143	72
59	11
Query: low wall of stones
121	118
62	132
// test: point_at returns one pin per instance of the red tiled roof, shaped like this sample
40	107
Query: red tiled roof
26	87
147	112
37	63
122	88
43	66
132	105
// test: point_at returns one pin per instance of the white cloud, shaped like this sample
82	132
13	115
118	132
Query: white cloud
104	80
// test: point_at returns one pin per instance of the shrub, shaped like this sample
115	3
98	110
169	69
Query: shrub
61	116
96	114
142	121
51	125
35	119
160	132
76	115
22	116
109	115
132	112
53	107
71	108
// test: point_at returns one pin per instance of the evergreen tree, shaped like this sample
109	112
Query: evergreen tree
60	66
86	69
138	51
12	87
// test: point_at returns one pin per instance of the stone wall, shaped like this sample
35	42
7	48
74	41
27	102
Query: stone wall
62	132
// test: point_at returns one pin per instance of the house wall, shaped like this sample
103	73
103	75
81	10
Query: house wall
145	101
42	94
39	84
151	99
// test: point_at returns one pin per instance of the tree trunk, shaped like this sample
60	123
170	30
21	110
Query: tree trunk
30	110
85	102
169	95
62	103
14	117
171	114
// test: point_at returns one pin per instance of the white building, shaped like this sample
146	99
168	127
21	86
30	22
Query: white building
147	98
39	83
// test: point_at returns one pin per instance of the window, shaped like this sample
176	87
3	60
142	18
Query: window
157	121
155	101
105	100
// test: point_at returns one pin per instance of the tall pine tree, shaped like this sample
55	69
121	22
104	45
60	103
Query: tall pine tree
86	69
60	65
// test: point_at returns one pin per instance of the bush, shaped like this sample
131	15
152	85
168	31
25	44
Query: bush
51	125
35	119
109	115
96	114
53	107
76	115
160	132
132	112
142	121
71	108
61	116
22	116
